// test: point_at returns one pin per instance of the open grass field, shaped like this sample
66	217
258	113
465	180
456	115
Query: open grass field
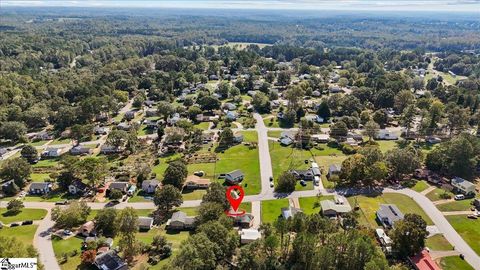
39	177
140	197
51	162
24	214
202	125
189	195
68	246
438	242
468	229
420	186
311	205
369	206
272	209
463	205
59	141
454	263
436	194
24	234
274	133
386	145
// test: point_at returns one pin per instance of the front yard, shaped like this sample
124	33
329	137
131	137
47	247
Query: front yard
24	214
311	205
271	210
25	234
468	229
370	204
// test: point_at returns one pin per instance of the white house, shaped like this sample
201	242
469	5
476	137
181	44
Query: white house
52	152
249	235
463	186
384	134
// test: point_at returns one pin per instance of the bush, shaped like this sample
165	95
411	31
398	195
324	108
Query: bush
14	206
347	149
286	182
445	196
115	194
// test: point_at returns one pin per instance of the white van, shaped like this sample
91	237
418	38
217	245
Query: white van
459	197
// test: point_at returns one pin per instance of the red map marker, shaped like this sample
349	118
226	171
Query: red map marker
235	200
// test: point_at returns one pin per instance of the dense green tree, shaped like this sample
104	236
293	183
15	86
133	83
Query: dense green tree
127	222
14	206
74	215
105	222
29	153
167	198
216	193
16	169
409	235
286	182
175	174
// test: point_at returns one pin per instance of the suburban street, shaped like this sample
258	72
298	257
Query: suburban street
43	241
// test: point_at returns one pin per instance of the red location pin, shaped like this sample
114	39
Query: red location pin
236	198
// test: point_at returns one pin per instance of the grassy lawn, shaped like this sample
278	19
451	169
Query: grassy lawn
140	197
463	205
24	214
386	145
237	157
162	166
189	195
420	186
53	196
468	229
369	206
272	209
202	125
68	246
51	162
274	133
287	158
39	177
311	205
438	242
454	263
435	194
250	136
37	143
59	141
324	162
23	233
143	130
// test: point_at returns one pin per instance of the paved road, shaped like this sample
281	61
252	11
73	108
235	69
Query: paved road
264	155
43	242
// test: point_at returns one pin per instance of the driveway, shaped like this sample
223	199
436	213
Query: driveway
43	243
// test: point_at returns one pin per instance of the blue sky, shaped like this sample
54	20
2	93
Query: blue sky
371	5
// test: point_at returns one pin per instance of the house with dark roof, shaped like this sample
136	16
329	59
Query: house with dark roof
234	177
122	186
80	150
388	214
180	221
110	261
243	221
40	188
145	223
302	174
149	186
334	169
78	187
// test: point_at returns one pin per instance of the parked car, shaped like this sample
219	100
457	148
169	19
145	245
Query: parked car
14	225
271	178
67	232
221	176
27	222
472	217
112	203
64	202
303	183
199	173
459	197
271	184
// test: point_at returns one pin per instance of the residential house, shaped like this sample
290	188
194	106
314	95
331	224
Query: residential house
335	89
122	186
7	186
149	186
40	188
231	115
43	136
213	77
388	214
130	115
286	141
229	106
124	126
463	186
243	221
234	177
433	140
109	149
149	103
145	223
180	221
151	112
110	261
334	169
87	229
80	150
207	137
303	174
131	190
237	137
321	138
101	130
173	119
385	241
249	235
78	187
316	93
336	207
52	152
290	212
423	261
311	118
151	124
195	182
385	134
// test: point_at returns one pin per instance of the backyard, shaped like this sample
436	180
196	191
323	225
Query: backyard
271	210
